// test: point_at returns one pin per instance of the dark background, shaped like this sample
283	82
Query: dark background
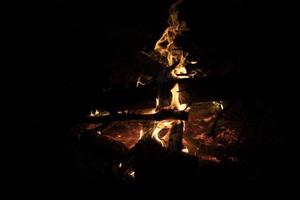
69	50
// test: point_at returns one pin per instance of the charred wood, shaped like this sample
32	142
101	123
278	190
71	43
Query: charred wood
161	115
175	139
198	89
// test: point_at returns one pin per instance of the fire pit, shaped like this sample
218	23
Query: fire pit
166	113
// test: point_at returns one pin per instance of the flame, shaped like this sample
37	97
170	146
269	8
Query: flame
120	165
175	102
185	150
141	134
99	113
175	59
167	124
152	110
92	114
219	104
132	174
139	82
158	127
157	102
166	46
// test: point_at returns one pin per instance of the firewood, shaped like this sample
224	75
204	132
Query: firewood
175	138
161	115
199	89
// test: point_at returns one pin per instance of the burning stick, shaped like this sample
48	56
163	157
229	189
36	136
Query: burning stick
161	115
175	138
200	90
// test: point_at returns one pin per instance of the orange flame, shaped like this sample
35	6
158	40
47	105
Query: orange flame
175	102
166	46
185	150
167	124
176	60
99	113
141	134
158	127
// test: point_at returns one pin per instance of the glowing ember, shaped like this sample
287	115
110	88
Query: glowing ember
208	119
227	137
210	158
204	138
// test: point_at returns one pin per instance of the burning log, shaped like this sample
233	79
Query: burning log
200	90
161	115
175	138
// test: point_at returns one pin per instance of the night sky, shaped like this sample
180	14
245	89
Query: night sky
70	50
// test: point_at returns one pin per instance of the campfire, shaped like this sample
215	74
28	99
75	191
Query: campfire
166	109
150	99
